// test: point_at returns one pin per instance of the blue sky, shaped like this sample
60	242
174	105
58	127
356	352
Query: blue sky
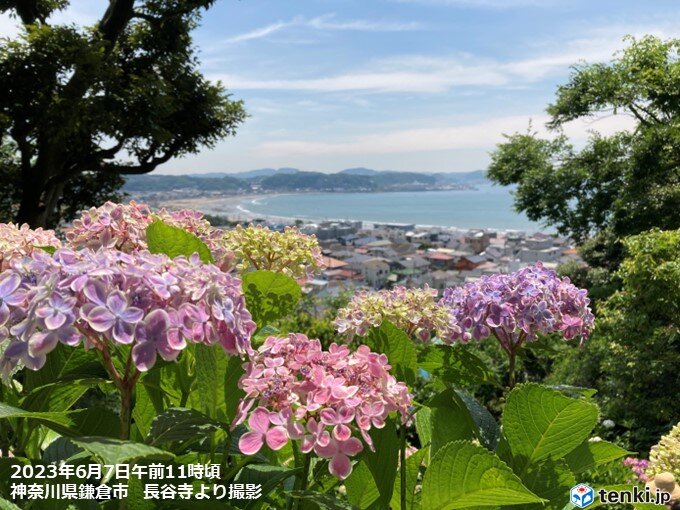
423	85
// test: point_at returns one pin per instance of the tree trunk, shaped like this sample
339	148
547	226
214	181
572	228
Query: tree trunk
30	209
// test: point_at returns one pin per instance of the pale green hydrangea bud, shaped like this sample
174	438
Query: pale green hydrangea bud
415	311
290	252
665	456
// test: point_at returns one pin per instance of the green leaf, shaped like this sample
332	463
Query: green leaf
455	365
270	295
49	249
383	462
486	429
117	451
7	505
413	464
270	477
59	396
375	483
540	422
65	364
424	425
551	480
321	500
178	424
232	392
362	492
399	349
462	475
212	370
68	423
174	242
450	420
589	455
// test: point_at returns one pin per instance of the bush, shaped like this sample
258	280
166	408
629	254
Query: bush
634	354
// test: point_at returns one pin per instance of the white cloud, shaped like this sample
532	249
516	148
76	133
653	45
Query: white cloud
438	74
478	135
327	22
484	4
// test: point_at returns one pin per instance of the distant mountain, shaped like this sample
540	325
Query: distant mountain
151	183
442	177
359	171
250	174
292	179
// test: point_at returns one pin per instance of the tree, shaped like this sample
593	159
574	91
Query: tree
616	185
633	356
121	97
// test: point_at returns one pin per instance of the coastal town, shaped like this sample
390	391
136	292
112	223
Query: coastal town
377	256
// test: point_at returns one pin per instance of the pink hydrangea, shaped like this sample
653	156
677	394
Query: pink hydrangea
151	302
517	307
123	227
17	242
638	466
327	401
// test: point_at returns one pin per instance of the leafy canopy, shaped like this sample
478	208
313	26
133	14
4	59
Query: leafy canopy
119	97
616	185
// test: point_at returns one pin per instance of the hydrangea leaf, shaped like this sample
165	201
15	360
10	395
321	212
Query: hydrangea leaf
484	424
589	455
413	464
270	477
116	451
540	422
180	424
383	462
450	420
551	480
462	475
362	492
49	249
455	365
174	242
270	295
398	348
71	423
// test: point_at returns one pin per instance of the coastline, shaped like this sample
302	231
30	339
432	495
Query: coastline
235	208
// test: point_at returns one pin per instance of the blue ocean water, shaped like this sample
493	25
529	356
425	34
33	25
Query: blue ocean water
487	206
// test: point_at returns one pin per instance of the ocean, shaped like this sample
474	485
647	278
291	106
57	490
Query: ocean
488	206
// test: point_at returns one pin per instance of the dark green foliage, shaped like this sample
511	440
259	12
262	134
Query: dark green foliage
633	357
615	186
120	97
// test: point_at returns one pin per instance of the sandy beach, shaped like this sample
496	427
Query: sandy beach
227	206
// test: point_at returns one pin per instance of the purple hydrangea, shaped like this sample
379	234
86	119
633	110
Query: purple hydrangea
151	302
518	307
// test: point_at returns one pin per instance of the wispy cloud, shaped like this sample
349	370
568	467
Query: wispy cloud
477	135
440	74
327	22
485	4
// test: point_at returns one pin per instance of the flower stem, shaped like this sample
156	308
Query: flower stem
402	465
125	410
512	355
301	480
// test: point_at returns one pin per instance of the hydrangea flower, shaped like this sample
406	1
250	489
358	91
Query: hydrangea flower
111	297
664	457
289	252
638	467
18	241
327	401
415	311
123	227
517	307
